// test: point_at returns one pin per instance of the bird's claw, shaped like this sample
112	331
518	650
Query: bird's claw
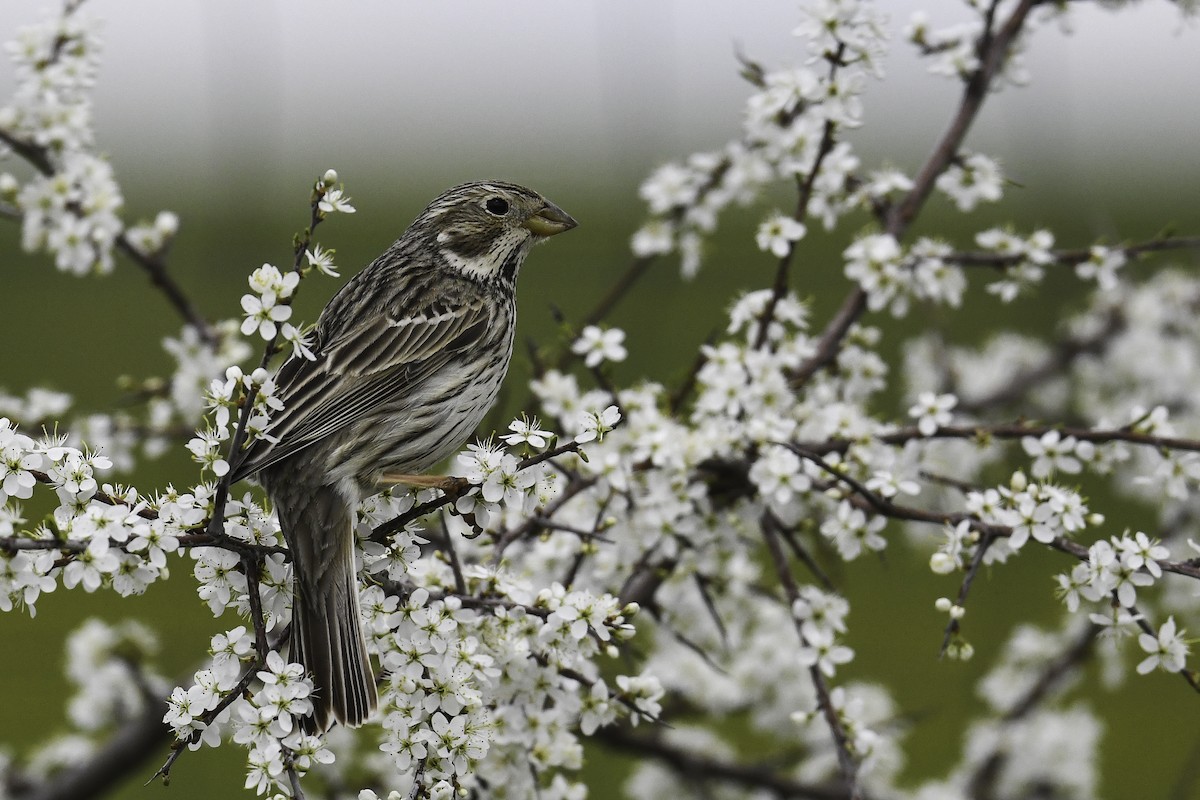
444	483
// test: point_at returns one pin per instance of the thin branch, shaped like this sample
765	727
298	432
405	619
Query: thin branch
983	433
151	264
798	550
620	288
688	384
415	791
251	566
460	582
982	780
240	432
109	765
294	781
1072	257
993	49
382	532
206	718
711	606
692	766
955	624
805	187
156	271
1053	674
841	741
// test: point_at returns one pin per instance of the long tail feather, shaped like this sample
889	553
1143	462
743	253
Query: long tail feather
327	634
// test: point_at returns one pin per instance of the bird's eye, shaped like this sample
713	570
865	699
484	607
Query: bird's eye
497	206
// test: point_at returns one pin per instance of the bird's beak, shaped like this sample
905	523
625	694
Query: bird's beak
550	220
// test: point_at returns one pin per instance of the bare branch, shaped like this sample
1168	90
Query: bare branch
689	764
841	742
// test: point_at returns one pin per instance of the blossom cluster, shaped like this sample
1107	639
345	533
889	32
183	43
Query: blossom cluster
787	134
71	208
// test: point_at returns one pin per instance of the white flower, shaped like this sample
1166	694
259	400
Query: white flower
778	233
823	652
655	238
1052	451
1140	551
299	340
262	312
874	262
268	278
970	180
321	260
671	186
595	425
526	431
932	411
1168	649
206	450
335	201
1101	266
598	345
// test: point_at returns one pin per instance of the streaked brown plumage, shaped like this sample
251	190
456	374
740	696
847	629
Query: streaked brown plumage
410	356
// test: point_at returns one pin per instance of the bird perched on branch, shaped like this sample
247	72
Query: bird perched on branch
409	357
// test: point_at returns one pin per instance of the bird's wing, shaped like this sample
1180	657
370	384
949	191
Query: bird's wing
359	369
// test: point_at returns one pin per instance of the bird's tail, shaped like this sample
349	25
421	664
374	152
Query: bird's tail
327	634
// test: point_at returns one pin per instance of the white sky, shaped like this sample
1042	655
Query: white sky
210	90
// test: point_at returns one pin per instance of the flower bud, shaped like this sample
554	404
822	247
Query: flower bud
329	178
942	563
166	223
8	186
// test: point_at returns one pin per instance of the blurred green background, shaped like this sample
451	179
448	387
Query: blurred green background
225	113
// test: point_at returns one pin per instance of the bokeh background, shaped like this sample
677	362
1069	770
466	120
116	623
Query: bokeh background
225	111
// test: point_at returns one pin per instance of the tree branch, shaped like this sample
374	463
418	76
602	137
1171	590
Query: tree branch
690	765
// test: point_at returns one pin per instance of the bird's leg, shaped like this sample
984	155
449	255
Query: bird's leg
447	484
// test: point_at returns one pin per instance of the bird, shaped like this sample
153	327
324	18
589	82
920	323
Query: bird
409	356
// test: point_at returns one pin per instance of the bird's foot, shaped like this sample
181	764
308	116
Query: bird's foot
446	484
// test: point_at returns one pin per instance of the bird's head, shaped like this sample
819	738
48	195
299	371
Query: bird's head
485	229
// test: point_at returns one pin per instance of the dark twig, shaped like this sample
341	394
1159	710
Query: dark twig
801	553
701	769
955	624
620	288
415	791
982	780
993	51
460	583
383	531
251	565
240	432
688	384
841	742
1073	257
156	271
710	605
984	433
805	187
109	765
233	694
294	782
